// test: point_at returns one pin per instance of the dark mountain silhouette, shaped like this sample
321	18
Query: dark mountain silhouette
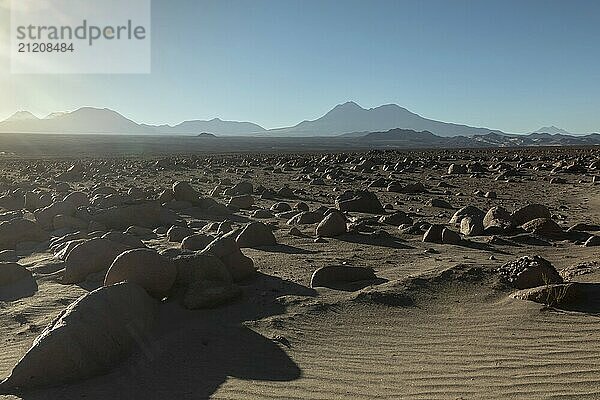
404	138
350	117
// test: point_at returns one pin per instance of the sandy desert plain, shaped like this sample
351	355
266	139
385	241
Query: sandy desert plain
298	274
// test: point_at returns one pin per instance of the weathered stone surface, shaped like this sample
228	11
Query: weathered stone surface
528	272
90	337
359	201
468	211
178	233
434	234
144	214
334	224
592	241
20	230
145	267
90	256
471	226
196	242
226	248
45	216
199	267
397	218
542	226
256	234
11	273
304	218
183	191
497	220
530	212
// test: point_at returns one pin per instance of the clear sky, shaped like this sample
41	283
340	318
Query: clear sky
514	65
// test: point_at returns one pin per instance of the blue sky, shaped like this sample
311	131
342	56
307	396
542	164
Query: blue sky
509	65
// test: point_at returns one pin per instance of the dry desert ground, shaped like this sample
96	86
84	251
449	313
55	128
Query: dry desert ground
440	274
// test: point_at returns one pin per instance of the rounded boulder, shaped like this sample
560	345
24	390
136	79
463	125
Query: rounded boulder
144	267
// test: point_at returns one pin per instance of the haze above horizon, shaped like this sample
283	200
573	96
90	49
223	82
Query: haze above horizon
508	65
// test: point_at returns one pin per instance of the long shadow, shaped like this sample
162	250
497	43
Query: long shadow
481	246
530	240
198	213
357	285
284	248
374	240
192	353
584	298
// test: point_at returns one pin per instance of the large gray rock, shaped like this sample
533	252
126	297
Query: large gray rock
196	242
256	234
200	267
468	211
7	216
90	337
592	241
530	212
528	272
434	234
304	218
359	201
497	220
12	201
124	238
8	256
144	214
20	230
240	189
397	218
454	169
11	273
45	216
543	227
90	256
178	233
440	234
183	191
77	199
226	248
245	201
471	226
69	222
145	267
334	224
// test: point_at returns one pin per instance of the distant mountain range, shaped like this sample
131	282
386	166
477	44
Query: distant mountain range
105	121
350	117
347	120
402	138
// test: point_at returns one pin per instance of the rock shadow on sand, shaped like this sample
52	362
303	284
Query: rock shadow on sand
284	248
371	239
193	353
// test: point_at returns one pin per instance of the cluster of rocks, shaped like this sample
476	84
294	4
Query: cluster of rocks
538	280
185	243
